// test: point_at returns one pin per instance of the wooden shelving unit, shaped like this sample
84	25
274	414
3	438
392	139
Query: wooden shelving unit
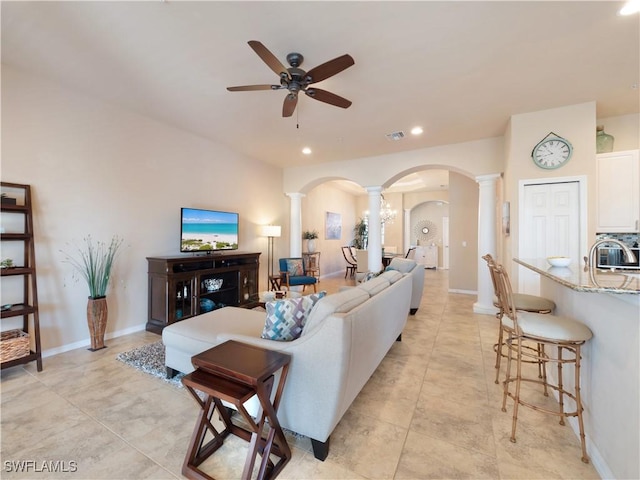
20	217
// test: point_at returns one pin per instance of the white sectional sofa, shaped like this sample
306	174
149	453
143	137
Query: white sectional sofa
405	265
346	336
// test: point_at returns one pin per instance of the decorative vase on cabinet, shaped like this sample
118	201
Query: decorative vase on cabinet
604	141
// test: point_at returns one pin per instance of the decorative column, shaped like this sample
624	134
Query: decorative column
375	229
487	228
295	224
407	229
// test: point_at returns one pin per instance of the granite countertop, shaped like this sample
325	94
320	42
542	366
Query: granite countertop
583	279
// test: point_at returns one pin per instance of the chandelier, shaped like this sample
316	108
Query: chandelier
387	214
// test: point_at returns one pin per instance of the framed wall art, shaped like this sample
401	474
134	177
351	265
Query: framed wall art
333	226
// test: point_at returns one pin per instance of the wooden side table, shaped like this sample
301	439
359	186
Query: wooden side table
234	372
276	282
312	263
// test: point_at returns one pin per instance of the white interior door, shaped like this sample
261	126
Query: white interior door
550	226
445	243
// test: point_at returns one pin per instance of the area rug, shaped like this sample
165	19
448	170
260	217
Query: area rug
149	359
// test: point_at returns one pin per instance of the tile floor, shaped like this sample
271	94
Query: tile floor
430	411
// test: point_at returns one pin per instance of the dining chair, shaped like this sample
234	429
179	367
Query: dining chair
351	262
362	264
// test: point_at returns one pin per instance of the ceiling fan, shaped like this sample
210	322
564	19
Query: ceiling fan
296	80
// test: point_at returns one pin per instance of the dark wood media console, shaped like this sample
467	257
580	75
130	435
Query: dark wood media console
185	286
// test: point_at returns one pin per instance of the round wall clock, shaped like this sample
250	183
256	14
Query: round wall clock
552	152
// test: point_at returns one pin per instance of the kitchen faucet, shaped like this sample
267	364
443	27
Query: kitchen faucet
628	254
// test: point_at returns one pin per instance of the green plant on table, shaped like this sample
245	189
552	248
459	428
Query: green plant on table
93	262
310	234
6	263
361	234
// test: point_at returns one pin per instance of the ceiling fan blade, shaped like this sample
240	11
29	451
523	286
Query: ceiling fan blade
330	68
328	97
269	58
246	88
289	105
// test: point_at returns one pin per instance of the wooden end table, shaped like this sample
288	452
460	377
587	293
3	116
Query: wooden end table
276	282
235	372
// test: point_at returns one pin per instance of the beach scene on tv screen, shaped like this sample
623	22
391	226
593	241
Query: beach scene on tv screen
208	230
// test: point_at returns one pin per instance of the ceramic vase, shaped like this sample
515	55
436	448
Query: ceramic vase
311	245
97	321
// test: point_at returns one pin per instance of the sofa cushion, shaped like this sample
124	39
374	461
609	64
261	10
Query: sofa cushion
369	276
341	302
294	267
375	286
196	334
392	276
402	265
286	318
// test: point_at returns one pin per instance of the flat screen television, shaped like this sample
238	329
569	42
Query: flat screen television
208	230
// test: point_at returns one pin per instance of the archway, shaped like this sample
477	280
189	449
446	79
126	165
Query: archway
459	193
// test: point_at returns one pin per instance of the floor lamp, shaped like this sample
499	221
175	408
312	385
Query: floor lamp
270	231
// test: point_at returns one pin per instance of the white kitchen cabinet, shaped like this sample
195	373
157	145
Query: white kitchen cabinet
618	192
427	256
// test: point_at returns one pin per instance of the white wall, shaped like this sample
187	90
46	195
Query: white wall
576	123
98	170
317	202
473	158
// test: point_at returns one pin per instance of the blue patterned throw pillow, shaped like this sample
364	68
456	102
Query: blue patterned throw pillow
286	318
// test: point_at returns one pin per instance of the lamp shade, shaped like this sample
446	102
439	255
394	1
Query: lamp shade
271	231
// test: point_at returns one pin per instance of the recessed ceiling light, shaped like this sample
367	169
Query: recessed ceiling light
306	151
416	130
631	7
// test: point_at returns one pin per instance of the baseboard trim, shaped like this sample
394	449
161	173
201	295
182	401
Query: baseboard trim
484	309
86	342
464	292
595	457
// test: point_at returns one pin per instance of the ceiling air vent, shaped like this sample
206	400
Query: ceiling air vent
395	136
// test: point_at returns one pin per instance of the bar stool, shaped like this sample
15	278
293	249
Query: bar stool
523	302
563	333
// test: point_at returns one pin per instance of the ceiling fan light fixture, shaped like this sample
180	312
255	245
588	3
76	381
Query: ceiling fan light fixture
306	151
417	130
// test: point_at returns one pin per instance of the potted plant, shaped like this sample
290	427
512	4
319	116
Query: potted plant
310	236
361	235
94	263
